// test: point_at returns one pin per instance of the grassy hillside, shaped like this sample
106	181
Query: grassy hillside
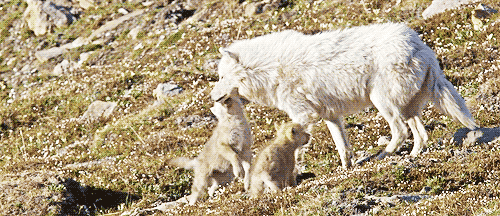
51	162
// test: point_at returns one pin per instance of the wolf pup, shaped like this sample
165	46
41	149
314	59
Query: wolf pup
227	153
336	73
274	166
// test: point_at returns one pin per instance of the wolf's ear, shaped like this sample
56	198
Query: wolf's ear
232	55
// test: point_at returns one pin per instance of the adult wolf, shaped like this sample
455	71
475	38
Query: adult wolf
337	73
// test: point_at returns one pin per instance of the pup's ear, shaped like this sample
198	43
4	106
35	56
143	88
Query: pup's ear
244	101
232	55
234	92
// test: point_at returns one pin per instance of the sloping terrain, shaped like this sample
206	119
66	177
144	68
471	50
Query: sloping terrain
55	160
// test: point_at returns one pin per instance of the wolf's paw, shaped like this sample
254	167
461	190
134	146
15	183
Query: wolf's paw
238	172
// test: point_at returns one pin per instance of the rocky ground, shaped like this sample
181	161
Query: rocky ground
97	95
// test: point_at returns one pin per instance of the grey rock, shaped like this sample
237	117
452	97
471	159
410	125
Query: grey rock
165	90
37	20
45	55
134	32
59	15
84	57
439	6
61	68
425	190
480	14
383	140
40	16
481	135
98	110
123	11
86	4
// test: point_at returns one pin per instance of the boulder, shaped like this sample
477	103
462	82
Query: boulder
98	110
165	90
59	16
38	21
40	16
45	55
439	6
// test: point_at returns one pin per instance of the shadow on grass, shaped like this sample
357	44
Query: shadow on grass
303	176
481	135
86	200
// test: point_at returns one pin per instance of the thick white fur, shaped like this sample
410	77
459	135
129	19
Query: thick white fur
337	73
226	154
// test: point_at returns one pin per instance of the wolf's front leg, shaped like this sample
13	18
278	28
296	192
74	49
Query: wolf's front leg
339	137
246	181
233	158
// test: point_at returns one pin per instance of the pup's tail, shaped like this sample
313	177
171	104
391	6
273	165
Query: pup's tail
448	100
184	162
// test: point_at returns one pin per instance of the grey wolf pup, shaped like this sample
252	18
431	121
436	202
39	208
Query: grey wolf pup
274	166
227	153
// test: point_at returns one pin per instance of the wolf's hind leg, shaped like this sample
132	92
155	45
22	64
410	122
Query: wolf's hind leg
393	115
419	135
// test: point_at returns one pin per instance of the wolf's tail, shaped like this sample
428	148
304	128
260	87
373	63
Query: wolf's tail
448	100
184	162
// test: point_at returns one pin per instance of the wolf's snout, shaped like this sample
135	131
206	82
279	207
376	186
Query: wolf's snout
220	98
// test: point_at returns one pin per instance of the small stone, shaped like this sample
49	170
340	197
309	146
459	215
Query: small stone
123	11
472	137
481	13
138	46
45	55
61	68
134	32
84	57
383	140
86	4
251	9
165	90
147	4
37	20
425	190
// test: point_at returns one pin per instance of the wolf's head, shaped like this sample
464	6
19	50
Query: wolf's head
231	76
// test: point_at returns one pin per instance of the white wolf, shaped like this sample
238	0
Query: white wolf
337	73
229	146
